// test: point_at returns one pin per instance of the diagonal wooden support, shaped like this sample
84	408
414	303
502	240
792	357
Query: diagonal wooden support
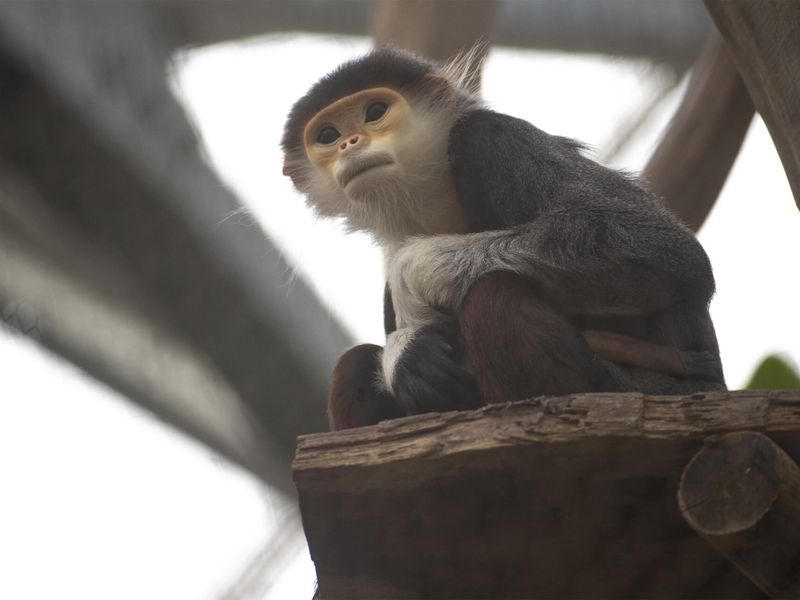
698	149
741	493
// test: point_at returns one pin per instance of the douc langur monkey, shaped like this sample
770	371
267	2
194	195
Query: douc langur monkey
516	266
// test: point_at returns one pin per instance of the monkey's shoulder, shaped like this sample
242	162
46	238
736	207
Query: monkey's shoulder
508	171
484	131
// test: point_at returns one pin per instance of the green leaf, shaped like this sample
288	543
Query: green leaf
774	373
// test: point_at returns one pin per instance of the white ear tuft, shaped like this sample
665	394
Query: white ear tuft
464	69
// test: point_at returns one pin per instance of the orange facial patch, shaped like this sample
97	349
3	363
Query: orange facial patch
348	116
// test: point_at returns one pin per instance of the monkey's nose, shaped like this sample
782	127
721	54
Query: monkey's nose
351	142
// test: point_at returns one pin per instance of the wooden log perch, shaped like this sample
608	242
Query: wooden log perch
741	492
551	497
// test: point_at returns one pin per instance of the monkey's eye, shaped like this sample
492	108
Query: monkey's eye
328	135
375	111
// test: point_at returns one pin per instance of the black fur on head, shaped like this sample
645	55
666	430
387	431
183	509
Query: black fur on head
384	67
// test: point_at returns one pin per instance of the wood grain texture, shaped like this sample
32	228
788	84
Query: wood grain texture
764	40
741	492
549	497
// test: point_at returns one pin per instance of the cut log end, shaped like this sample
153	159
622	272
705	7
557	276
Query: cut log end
741	493
730	484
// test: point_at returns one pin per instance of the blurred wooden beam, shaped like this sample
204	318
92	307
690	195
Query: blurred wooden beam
764	40
667	31
92	129
698	149
741	493
63	291
438	29
552	497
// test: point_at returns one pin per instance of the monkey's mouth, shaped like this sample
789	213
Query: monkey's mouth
359	165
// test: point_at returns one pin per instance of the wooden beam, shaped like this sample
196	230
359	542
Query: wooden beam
550	497
668	31
91	128
741	493
695	155
438	29
764	40
84	305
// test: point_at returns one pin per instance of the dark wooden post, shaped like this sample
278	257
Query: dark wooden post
741	493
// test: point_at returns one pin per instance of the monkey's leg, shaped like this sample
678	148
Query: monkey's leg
518	346
357	397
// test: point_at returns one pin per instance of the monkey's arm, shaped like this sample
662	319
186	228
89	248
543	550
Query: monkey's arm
624	350
582	264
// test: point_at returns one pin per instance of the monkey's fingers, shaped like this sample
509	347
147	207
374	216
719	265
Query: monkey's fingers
633	352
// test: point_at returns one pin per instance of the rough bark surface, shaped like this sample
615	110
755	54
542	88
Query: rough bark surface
570	497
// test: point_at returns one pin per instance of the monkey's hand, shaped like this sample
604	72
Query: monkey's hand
428	279
423	371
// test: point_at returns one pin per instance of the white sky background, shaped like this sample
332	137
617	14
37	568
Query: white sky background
101	501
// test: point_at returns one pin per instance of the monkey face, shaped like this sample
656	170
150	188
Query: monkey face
354	141
378	158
